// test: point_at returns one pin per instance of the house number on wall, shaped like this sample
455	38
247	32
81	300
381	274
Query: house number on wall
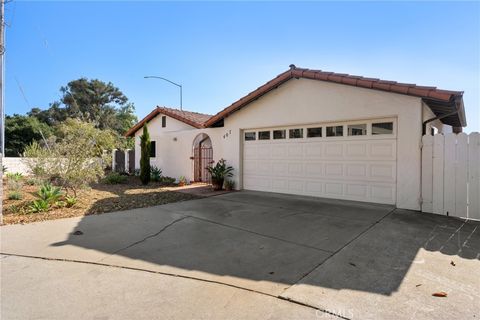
226	134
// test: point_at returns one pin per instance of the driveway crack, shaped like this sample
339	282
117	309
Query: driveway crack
146	238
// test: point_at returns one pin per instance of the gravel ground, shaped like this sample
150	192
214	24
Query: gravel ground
100	198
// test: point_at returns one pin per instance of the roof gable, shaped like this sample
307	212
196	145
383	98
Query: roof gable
193	119
442	102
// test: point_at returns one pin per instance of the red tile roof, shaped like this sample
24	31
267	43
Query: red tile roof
444	98
194	119
440	101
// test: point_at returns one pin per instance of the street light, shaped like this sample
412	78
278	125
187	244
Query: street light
178	85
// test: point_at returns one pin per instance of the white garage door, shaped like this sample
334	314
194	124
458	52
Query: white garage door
351	160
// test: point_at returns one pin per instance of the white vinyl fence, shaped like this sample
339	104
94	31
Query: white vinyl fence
451	175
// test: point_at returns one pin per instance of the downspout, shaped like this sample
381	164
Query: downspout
424	125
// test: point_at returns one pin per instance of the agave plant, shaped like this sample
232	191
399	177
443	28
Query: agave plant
219	172
49	193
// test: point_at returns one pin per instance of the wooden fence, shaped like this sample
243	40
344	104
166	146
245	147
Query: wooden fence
451	175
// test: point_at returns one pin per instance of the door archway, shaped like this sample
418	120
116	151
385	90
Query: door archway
202	157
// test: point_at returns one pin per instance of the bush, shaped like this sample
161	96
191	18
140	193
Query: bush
136	172
155	173
39	205
229	184
70	201
49	193
168	180
77	159
15	176
145	156
115	178
15	195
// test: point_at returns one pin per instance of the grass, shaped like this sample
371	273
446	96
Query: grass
100	198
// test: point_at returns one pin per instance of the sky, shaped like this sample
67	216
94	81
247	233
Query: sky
220	51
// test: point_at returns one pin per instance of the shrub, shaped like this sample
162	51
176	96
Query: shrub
145	156
229	184
15	176
15	195
136	172
155	173
70	201
39	205
114	178
49	193
168	180
77	159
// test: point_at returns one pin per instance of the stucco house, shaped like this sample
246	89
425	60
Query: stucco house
310	132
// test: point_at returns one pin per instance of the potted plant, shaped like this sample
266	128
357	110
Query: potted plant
182	181
219	172
229	185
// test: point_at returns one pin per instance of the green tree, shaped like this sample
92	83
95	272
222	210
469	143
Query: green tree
145	156
21	131
76	159
94	101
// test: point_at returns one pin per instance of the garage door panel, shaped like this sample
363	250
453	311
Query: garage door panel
383	172
263	151
333	170
357	150
264	167
314	169
313	150
334	150
334	189
314	187
295	169
249	152
356	170
295	151
342	168
383	193
356	190
279	168
383	150
279	151
296	186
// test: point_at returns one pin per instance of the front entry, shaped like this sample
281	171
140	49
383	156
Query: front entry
202	157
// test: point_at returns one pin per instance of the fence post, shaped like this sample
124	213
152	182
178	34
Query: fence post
449	179
427	173
438	156
113	159
127	160
474	176
461	166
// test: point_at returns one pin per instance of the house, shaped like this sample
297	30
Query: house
311	132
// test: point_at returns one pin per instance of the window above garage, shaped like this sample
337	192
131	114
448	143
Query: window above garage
354	130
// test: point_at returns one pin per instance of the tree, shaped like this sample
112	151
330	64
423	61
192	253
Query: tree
145	156
20	131
76	159
94	101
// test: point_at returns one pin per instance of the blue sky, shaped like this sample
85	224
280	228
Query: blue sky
221	51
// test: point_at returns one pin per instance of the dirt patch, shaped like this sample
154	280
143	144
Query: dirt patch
100	198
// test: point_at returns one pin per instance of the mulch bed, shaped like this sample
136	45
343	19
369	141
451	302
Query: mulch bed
100	198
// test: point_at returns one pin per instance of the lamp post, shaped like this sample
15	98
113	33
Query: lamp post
176	84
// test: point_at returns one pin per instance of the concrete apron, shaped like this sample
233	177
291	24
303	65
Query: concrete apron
334	255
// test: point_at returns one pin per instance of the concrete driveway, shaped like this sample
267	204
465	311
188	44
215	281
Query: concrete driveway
245	255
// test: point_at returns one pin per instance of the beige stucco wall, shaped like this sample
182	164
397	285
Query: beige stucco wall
156	132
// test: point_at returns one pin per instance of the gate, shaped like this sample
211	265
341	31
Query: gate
451	175
202	157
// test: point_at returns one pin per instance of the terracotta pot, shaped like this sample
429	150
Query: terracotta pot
217	184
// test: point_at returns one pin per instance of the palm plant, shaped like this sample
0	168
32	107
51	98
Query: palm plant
219	172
